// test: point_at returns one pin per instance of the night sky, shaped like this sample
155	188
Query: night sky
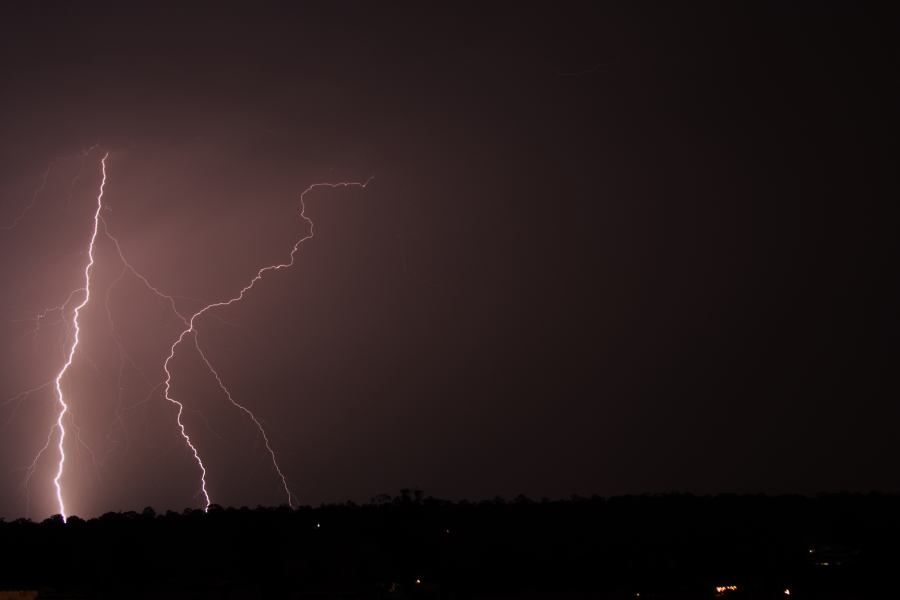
605	250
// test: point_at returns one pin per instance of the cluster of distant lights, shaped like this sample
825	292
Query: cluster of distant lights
726	590
722	590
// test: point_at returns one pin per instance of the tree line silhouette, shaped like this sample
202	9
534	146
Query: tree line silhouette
409	545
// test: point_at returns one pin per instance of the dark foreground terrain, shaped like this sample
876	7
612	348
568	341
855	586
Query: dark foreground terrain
675	546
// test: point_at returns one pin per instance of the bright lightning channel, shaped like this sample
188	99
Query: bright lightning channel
63	405
189	329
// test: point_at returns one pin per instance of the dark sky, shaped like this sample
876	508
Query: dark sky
605	251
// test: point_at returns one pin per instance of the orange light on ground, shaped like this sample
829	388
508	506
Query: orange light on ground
721	589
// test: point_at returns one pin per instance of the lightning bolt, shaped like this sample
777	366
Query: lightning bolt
76	328
191	329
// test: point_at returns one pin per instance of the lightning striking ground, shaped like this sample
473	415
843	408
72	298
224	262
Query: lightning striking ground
171	301
76	328
191	329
